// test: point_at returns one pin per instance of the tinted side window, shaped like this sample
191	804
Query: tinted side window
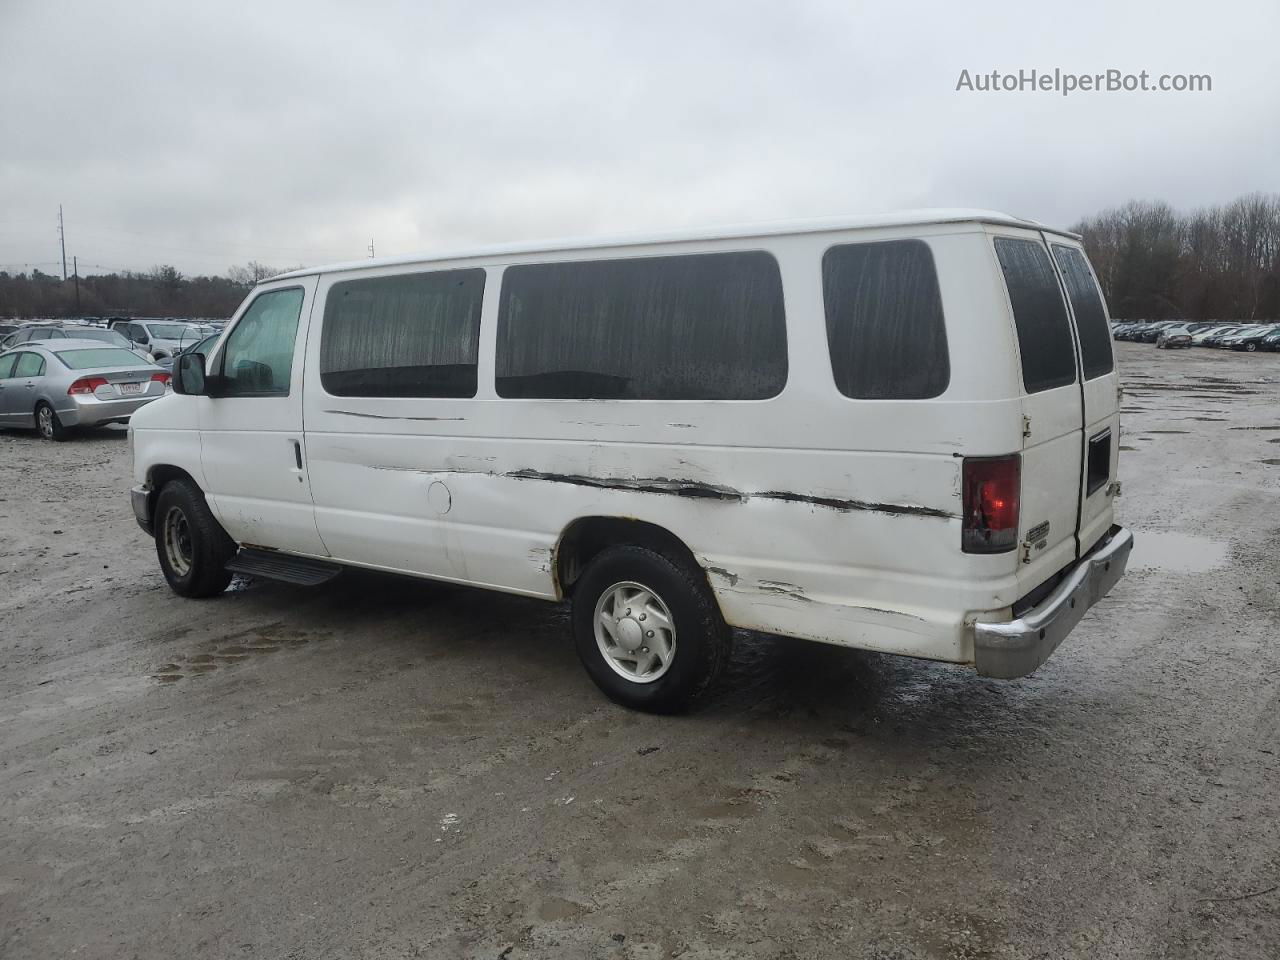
6	365
884	321
1044	333
29	365
415	335
1086	304
697	327
258	359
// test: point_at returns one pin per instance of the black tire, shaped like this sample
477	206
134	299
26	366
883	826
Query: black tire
702	644
47	423
186	528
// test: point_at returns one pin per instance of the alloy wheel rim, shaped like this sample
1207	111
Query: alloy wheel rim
46	421
635	632
177	541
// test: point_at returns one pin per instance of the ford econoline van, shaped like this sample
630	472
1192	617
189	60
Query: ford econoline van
895	433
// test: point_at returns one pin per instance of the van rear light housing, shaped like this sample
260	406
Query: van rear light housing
992	495
86	385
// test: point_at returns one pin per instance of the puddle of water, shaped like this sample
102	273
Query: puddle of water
1176	552
1271	463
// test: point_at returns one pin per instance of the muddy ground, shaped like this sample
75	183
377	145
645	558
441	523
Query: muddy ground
384	768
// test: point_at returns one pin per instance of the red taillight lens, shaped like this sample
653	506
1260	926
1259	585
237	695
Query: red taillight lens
992	489
161	377
86	385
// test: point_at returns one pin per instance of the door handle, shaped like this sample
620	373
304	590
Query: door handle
297	453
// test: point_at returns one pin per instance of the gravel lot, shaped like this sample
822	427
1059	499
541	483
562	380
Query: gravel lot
385	768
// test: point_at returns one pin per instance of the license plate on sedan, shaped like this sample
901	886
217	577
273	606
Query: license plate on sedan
129	389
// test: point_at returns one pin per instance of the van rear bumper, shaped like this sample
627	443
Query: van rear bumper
1017	647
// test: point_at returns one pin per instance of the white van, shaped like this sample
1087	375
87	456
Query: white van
896	433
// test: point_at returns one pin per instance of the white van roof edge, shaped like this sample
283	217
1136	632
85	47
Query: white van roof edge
903	218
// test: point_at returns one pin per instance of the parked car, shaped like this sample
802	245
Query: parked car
1250	338
160	338
654	432
1221	338
1148	333
201	347
1172	340
49	332
24	332
1202	337
59	385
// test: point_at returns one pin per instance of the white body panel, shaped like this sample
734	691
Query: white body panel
814	515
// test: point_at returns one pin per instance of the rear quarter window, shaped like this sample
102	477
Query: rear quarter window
885	328
1044	332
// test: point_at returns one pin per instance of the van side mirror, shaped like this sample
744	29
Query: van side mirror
189	375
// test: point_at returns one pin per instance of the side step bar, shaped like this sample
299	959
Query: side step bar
301	571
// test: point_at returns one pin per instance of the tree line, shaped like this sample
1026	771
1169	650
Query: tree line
160	292
1216	263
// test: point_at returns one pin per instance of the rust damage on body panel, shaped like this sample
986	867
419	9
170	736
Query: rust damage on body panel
725	574
678	488
835	503
782	588
379	416
694	489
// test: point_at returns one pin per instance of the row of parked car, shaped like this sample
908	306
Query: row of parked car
158	338
60	376
1172	334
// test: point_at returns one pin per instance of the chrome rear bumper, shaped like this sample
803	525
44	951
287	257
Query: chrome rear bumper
1017	647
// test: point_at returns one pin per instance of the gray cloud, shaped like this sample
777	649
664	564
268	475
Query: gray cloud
293	132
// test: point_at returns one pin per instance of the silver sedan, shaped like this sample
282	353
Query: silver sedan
56	386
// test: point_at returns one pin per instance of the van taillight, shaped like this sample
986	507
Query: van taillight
992	487
87	385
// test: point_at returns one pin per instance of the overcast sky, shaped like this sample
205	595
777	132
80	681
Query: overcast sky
292	133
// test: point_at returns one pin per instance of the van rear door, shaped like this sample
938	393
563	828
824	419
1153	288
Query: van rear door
1052	407
1101	389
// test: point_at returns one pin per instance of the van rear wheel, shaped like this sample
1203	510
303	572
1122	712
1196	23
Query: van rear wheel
648	630
191	544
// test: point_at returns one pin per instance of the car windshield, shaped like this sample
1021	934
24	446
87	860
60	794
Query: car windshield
172	331
108	336
88	358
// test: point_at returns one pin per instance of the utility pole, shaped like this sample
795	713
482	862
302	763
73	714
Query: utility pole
371	248
75	266
62	238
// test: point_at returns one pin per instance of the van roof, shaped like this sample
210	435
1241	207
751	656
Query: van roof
767	229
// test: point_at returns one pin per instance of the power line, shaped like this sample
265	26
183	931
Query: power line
62	238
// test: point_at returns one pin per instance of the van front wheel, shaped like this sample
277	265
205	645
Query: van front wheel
648	630
191	544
